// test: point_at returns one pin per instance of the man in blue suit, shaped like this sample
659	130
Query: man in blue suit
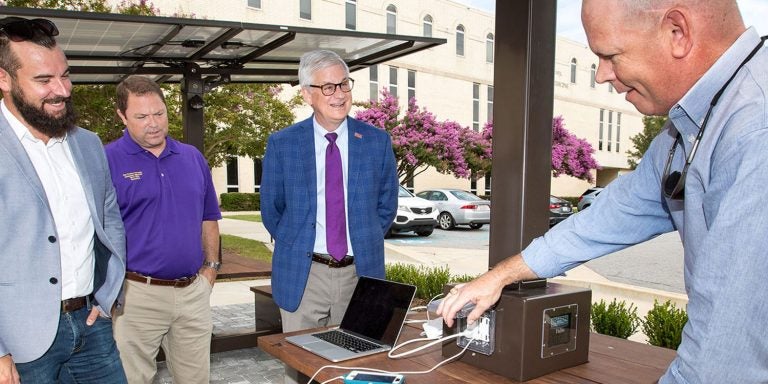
326	235
63	246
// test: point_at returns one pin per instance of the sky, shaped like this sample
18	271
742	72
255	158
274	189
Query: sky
754	12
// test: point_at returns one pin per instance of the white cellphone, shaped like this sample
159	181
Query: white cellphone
357	377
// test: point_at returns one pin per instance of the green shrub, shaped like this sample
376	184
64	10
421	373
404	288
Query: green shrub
615	319
236	201
664	325
429	282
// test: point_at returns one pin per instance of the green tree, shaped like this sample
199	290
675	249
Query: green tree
71	5
652	125
238	119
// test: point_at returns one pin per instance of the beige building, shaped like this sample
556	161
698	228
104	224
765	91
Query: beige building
454	80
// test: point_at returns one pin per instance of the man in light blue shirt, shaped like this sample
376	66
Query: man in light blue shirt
704	175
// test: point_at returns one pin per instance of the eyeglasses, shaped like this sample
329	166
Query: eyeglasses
330	88
18	29
674	183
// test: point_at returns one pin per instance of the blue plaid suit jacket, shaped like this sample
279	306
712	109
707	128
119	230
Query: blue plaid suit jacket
289	203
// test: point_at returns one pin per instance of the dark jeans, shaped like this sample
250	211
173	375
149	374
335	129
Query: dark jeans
79	354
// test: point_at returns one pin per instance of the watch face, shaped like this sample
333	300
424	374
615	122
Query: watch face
213	264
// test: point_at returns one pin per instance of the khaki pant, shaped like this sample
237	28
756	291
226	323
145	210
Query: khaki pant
325	298
179	319
324	302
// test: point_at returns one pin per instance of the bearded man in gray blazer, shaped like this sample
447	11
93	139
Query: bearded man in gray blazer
63	244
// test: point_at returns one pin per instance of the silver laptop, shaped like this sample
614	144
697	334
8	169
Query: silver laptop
371	324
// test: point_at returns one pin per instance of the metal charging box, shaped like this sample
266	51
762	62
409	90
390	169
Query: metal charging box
540	327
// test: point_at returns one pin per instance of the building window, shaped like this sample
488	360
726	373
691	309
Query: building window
476	107
374	80
618	130
254	3
488	184
393	81
305	9
427	26
460	40
573	71
489	48
233	184
257	175
600	131
592	72
391	19
351	12
490	103
411	85
473	182
610	129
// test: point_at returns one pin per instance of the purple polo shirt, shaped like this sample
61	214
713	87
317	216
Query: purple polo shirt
163	201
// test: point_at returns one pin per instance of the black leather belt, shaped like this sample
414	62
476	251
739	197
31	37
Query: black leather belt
177	283
331	262
73	304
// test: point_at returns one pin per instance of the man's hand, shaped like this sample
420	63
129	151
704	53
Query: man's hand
209	274
8	373
92	316
485	290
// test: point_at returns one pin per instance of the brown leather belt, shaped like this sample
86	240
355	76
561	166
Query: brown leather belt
331	262
177	283
73	304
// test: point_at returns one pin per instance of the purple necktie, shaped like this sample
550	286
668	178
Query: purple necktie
335	219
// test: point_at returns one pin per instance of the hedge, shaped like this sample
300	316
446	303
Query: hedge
236	201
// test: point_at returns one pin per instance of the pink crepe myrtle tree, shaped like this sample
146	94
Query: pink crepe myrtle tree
571	155
421	141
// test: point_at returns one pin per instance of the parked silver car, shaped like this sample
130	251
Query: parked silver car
458	207
586	198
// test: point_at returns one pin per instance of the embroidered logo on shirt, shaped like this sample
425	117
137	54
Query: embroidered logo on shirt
358	135
133	176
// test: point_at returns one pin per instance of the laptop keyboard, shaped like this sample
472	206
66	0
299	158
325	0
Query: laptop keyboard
346	341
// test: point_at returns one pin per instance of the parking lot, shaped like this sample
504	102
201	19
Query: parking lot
461	237
657	263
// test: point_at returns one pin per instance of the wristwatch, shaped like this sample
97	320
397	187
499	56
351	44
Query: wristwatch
215	265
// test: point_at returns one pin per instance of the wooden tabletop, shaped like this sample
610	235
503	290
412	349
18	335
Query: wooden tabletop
611	360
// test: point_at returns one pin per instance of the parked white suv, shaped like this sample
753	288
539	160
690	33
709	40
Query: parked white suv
414	214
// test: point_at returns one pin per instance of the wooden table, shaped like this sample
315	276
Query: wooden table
611	360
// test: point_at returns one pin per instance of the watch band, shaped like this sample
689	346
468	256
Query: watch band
215	265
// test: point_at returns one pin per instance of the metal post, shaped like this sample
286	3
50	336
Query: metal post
522	134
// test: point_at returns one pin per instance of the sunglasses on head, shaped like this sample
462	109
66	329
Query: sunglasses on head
18	29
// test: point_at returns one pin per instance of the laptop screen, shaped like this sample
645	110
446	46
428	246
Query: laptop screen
378	308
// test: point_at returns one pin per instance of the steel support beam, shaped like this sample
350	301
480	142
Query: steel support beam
522	131
192	106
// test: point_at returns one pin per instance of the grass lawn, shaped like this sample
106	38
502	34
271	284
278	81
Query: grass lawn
246	247
244	217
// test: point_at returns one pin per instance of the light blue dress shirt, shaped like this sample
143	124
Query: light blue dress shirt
722	221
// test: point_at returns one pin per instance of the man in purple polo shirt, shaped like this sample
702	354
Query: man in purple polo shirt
170	211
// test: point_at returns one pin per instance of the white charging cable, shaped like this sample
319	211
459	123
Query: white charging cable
365	369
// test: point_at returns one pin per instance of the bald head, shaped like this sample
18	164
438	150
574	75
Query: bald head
655	50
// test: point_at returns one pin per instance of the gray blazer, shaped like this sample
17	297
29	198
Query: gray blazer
30	263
